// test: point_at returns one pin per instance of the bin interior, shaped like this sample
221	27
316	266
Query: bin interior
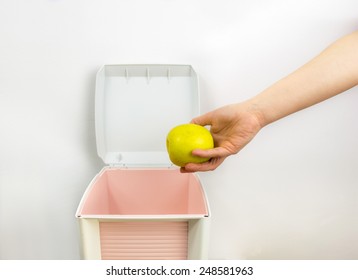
117	191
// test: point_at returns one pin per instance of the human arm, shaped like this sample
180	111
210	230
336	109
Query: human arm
333	71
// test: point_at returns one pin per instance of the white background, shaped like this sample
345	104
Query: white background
292	193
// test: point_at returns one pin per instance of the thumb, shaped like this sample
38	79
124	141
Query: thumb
203	120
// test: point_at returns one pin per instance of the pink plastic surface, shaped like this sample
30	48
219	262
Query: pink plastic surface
144	192
144	240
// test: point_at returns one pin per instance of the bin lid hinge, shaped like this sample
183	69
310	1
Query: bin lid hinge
128	166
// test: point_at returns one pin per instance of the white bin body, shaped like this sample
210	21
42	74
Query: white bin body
144	214
140	206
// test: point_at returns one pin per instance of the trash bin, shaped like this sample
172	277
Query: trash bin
140	206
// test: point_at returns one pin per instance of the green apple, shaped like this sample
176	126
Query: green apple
183	139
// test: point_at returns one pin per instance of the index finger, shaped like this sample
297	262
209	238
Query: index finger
211	153
210	165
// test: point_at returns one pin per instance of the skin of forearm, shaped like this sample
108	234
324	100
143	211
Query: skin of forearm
330	73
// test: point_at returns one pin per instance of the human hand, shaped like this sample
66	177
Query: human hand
331	72
232	127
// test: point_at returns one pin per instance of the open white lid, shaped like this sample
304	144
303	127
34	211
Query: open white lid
135	108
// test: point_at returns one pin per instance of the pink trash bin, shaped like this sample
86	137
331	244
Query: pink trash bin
139	206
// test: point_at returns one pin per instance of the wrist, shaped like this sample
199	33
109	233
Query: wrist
256	109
